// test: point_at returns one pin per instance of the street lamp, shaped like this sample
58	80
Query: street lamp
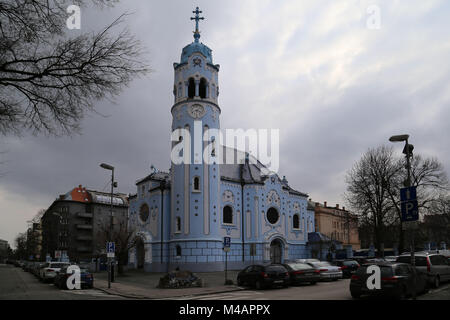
111	168
407	150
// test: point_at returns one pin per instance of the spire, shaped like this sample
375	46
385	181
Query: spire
197	18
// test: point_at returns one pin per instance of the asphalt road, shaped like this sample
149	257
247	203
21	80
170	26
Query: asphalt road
16	284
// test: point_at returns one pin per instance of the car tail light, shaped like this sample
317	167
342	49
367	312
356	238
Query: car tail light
355	277
428	265
50	270
264	275
298	272
343	267
323	270
317	271
390	279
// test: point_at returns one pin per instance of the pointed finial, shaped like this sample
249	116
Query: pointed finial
197	18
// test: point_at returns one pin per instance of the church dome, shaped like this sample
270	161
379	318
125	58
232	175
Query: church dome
196	47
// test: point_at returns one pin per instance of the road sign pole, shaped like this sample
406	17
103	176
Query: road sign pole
408	182
226	267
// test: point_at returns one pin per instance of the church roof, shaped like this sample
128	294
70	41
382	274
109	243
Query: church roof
158	176
251	171
196	47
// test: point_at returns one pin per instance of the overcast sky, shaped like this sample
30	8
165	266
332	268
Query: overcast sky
320	71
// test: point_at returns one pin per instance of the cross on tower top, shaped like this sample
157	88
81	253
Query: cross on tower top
197	18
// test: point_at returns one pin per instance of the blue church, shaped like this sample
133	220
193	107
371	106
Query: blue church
182	216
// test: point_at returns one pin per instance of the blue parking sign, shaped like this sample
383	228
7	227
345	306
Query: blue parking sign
408	204
226	242
110	247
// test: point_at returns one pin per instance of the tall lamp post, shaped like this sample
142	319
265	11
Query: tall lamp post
407	150
109	167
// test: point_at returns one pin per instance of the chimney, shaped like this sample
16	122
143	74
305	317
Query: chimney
337	205
343	208
325	204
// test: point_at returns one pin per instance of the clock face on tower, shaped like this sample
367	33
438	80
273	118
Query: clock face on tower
196	111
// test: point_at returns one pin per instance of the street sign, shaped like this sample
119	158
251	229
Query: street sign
408	194
226	249
110	249
409	206
226	242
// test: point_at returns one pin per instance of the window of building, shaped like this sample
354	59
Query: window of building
144	212
178	224
202	88
178	251
191	88
196	184
296	221
272	215
227	215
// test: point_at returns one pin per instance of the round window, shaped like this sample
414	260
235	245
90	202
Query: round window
144	212
272	215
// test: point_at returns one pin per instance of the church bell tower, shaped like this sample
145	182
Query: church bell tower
195	114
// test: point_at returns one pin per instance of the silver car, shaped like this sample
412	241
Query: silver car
435	265
326	270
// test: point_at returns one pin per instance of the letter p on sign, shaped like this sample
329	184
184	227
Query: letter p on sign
374	280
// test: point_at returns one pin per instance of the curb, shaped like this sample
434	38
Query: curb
168	297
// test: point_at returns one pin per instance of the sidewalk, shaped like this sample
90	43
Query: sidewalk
136	284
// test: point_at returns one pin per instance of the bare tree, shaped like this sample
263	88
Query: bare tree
374	189
49	80
368	195
124	238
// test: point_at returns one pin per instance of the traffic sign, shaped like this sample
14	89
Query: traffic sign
226	249
110	247
226	242
408	204
408	194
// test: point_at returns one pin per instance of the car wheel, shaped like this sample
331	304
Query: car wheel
240	282
436	282
259	285
313	282
355	295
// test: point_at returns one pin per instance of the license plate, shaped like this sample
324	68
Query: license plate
278	281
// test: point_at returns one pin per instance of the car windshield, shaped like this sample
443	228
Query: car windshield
299	266
276	269
420	260
350	263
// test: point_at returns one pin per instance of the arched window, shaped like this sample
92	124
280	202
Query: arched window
227	215
296	221
273	215
178	224
178	251
202	88
144	212
191	88
196	184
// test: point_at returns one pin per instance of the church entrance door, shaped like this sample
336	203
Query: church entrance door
140	253
275	251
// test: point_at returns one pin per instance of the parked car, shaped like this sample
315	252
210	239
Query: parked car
86	278
27	266
301	273
49	270
435	265
348	267
37	268
264	276
327	271
306	260
397	281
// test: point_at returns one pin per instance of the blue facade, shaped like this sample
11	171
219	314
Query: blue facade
182	216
